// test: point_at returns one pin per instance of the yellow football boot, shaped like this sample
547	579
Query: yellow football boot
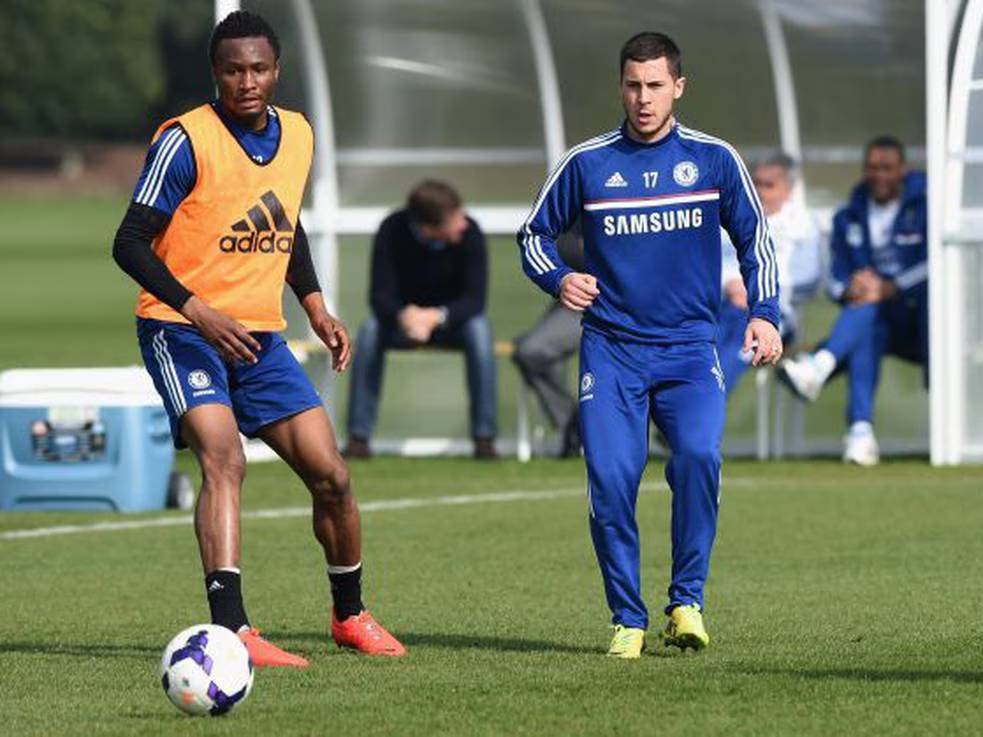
628	642
685	628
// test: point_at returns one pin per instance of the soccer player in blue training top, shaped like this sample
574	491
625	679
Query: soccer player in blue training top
212	235
652	196
880	276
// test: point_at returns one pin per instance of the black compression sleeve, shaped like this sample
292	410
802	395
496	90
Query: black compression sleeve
301	275
133	251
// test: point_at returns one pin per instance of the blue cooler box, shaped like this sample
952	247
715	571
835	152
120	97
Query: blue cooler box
83	439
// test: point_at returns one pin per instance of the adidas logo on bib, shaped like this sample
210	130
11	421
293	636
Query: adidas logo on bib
261	237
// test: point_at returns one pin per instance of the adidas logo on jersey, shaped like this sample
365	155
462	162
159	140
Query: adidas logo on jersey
261	237
616	180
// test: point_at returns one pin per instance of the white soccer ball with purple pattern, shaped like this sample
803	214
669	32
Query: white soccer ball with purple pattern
206	669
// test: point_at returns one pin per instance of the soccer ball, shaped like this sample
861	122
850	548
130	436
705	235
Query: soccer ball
206	669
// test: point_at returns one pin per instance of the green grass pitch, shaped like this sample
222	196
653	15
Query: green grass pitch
842	601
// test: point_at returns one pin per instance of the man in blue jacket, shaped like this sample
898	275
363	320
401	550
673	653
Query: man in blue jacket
880	276
652	196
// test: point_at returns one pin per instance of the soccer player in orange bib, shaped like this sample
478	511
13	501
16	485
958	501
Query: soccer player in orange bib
211	235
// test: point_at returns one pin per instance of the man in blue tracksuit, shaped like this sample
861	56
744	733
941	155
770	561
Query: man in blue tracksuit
880	276
652	196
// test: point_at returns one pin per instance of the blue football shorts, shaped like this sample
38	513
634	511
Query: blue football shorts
188	371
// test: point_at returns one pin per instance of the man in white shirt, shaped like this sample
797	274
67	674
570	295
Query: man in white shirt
797	247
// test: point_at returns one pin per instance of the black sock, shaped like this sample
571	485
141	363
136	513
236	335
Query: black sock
346	590
225	599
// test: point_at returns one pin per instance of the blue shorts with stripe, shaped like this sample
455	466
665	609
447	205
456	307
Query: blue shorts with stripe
188	371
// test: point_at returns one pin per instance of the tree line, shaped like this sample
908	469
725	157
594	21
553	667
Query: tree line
100	69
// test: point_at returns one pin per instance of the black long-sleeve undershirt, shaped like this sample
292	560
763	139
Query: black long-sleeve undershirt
301	275
133	252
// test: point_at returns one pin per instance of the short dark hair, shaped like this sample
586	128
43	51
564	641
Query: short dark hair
431	201
885	141
650	45
242	24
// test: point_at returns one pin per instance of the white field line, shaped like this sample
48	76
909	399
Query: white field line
380	505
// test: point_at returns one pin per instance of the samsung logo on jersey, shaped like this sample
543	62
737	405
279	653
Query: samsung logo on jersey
662	221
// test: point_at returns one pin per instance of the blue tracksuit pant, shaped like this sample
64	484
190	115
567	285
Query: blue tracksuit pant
681	387
862	335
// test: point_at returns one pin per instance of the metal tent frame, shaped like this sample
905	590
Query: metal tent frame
327	218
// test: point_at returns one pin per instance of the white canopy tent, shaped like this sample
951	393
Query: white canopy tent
404	94
328	217
955	166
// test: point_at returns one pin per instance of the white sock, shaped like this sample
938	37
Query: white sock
825	363
862	427
335	570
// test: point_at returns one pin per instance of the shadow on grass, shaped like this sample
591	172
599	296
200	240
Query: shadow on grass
453	642
497	644
870	675
81	650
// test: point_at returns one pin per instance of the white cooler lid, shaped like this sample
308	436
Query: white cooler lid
78	387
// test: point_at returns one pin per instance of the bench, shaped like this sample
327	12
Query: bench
304	348
770	441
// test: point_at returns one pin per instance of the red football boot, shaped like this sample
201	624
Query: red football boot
362	633
265	654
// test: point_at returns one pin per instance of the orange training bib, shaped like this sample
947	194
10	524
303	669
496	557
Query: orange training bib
229	241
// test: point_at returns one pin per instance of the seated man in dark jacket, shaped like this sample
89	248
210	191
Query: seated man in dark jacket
429	285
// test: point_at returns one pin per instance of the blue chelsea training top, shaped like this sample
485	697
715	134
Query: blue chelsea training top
169	172
651	217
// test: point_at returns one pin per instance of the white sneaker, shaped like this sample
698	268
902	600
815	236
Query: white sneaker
860	445
802	375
